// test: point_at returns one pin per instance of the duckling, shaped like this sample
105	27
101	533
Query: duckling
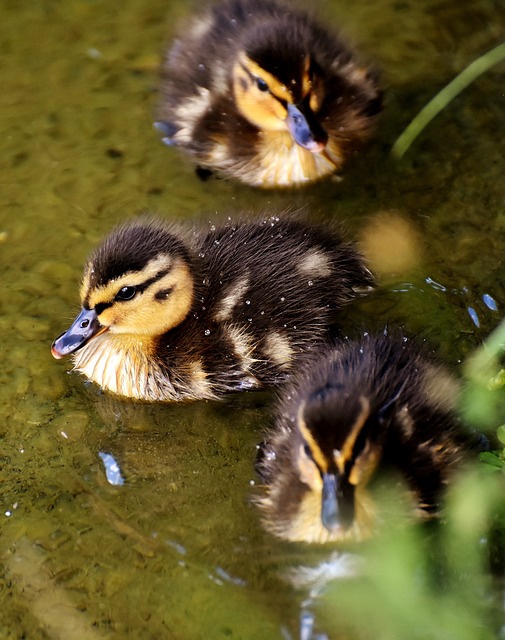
258	91
378	403
170	315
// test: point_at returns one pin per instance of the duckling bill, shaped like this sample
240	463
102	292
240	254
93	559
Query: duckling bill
258	91
184	315
368	406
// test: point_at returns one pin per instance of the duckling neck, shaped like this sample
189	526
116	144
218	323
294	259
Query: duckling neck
127	366
282	162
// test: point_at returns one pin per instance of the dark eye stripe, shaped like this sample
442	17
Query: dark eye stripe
126	293
101	306
139	288
308	451
261	84
163	294
252	78
144	285
255	80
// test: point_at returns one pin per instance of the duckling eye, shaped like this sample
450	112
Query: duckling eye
307	451
126	293
261	84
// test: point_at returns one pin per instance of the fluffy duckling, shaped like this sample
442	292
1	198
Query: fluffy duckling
258	91
172	317
374	404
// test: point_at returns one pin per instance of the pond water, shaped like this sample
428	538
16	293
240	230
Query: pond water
177	551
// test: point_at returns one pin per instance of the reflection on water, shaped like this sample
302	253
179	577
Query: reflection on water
112	470
177	551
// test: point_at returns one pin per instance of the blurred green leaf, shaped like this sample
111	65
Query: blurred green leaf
426	583
492	459
500	433
482	407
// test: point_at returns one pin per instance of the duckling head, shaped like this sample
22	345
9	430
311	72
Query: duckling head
280	93
298	79
341	445
328	455
137	286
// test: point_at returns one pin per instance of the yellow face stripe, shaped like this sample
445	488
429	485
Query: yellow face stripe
342	457
166	296
107	292
350	441
306	81
278	89
316	451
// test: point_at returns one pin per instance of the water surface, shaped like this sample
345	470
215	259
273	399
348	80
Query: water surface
177	550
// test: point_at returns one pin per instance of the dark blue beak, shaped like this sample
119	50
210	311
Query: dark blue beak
83	328
337	511
305	129
329	508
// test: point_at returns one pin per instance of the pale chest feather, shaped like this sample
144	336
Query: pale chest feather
305	524
125	366
278	161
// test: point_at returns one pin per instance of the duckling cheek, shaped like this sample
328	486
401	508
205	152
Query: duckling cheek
365	466
265	112
260	109
309	474
110	317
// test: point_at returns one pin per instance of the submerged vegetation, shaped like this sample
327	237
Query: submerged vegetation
484	399
445	96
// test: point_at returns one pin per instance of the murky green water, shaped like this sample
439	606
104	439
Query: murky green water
177	551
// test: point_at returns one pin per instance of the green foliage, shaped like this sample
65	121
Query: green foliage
483	403
435	581
494	460
445	96
428	582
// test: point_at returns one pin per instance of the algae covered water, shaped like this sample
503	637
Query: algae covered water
176	550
